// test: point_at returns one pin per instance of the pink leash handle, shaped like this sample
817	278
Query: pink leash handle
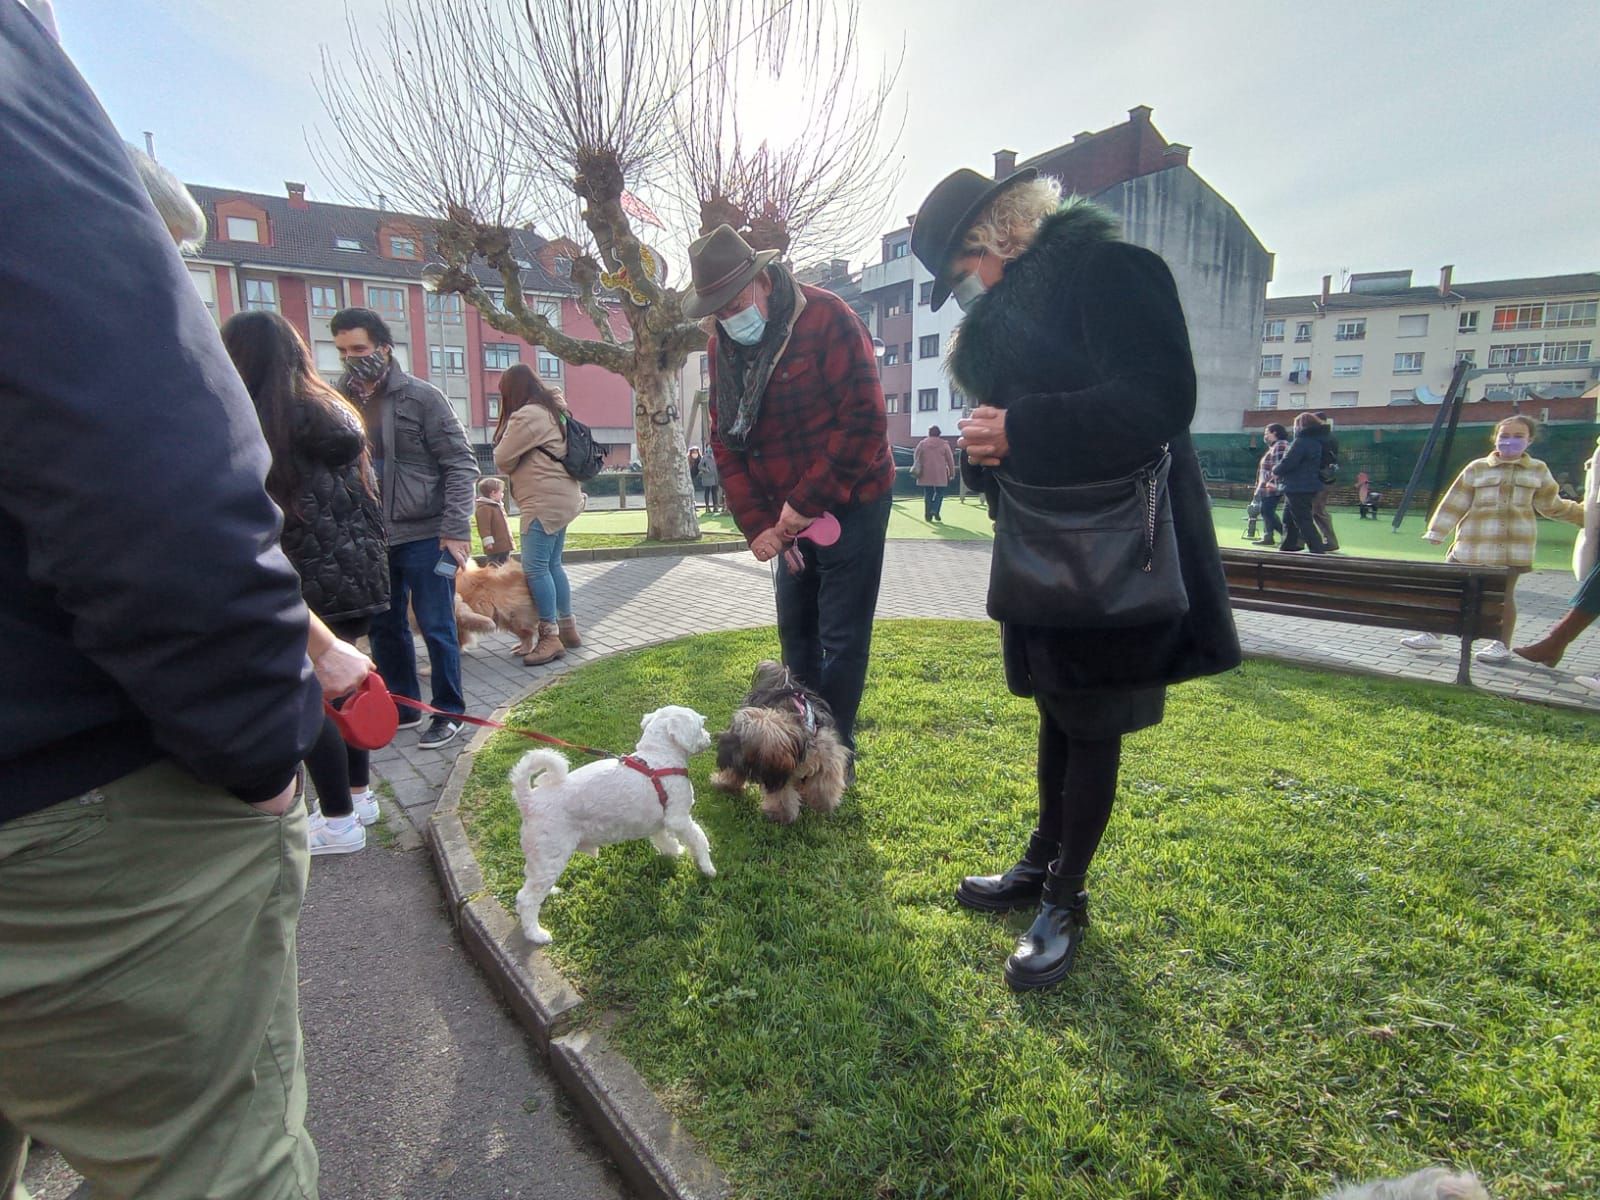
824	531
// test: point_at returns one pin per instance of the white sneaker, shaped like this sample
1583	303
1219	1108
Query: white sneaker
1494	653
1423	641
324	838
366	806
1592	682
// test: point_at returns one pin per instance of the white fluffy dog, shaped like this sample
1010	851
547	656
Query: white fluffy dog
1434	1183
646	794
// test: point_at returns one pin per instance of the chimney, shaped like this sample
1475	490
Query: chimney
297	194
1444	278
1082	135
1327	289
1175	155
1140	115
149	143
1005	164
383	202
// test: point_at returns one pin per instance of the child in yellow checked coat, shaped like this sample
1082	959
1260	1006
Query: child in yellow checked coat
1491	507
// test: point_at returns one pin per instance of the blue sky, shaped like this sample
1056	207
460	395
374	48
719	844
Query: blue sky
1358	135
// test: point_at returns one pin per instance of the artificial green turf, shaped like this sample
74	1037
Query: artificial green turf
1342	927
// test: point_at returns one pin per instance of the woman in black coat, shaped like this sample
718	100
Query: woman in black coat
1299	475
1075	345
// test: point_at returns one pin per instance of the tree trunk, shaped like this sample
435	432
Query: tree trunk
669	497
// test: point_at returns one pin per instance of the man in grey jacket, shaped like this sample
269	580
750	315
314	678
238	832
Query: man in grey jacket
426	472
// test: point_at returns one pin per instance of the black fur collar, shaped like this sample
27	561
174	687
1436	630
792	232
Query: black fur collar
1007	320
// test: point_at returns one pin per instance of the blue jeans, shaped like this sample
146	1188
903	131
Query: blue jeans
413	583
932	502
547	580
825	613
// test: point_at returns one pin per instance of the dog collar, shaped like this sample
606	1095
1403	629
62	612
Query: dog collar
654	775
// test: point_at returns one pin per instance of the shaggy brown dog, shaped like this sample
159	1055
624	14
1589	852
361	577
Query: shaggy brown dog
783	737
500	597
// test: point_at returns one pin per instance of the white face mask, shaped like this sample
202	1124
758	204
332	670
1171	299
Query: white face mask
745	326
967	291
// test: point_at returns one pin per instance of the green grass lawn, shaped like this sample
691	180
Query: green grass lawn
1342	926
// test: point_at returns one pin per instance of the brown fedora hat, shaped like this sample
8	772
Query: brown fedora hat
721	264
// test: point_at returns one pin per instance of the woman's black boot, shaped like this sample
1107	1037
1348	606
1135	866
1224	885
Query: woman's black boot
1044	954
1017	888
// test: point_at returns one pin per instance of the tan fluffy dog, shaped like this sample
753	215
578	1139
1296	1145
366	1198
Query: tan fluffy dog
782	736
499	597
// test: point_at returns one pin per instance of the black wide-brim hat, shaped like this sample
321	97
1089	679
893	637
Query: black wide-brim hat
945	216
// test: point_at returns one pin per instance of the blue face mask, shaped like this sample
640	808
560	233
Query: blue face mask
745	326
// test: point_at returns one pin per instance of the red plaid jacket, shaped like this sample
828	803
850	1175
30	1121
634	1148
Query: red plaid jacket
821	442
1266	481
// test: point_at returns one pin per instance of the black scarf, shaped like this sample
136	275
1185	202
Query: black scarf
743	371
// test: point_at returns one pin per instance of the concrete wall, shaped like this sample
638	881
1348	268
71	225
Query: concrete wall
1221	271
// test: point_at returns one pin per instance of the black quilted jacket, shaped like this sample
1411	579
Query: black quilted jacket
333	531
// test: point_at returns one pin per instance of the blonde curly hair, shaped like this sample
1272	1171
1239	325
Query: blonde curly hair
1007	226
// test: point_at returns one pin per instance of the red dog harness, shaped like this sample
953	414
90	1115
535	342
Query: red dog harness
653	774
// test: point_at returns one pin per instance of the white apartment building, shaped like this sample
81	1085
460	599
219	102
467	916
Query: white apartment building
1383	341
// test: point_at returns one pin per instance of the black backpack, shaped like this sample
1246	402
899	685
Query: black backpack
1328	469
583	458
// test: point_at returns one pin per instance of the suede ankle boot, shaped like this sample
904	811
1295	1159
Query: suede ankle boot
1046	952
567	628
547	649
1549	649
1017	888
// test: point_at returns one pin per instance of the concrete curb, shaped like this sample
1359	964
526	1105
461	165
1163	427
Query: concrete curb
654	1152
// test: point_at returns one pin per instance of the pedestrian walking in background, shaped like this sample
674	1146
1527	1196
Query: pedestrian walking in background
933	466
1299	475
1075	347
1586	566
710	482
1329	476
1490	508
1268	491
494	530
529	444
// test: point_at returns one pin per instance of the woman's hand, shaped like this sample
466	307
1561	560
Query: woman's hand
983	436
340	668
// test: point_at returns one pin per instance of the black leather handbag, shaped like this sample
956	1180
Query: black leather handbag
1099	555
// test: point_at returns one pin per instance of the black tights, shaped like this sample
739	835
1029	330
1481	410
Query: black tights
1077	784
336	766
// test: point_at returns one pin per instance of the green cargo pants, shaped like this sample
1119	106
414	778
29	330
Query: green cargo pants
149	1023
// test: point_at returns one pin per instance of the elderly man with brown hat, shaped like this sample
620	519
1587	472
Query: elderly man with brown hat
798	430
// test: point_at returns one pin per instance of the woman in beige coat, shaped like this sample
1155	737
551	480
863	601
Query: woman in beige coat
529	444
933	464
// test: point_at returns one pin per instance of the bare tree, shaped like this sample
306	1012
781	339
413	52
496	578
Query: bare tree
489	115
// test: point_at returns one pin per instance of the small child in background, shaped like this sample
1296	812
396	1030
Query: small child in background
494	531
1490	507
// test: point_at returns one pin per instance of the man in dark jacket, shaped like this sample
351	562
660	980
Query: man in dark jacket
156	694
798	430
426	472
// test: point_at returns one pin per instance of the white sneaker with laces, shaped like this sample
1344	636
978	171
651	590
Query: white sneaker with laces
1423	641
340	835
366	805
1592	682
1493	653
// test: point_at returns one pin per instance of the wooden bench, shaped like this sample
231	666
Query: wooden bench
1438	598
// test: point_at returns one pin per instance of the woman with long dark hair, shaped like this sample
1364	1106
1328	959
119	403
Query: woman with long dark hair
529	444
321	477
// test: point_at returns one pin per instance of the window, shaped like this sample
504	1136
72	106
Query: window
205	282
1570	315
403	247
1302	331
387	302
549	366
891	402
448	360
1343	399
928	346
705	370
1402	395
1408	364
1300	370
1346	366
900	305
891	356
925	293
563	266
1351	331
491	406
1518	316
497	356
550	310
1464	356
1271	365
328	358
498	295
899	249
1467	322
261	294
347	243
958	398
1272	331
1266	399
244	229
928	400
445	309
324	300
1297	400
402	355
1415	326
905	353
1532	353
